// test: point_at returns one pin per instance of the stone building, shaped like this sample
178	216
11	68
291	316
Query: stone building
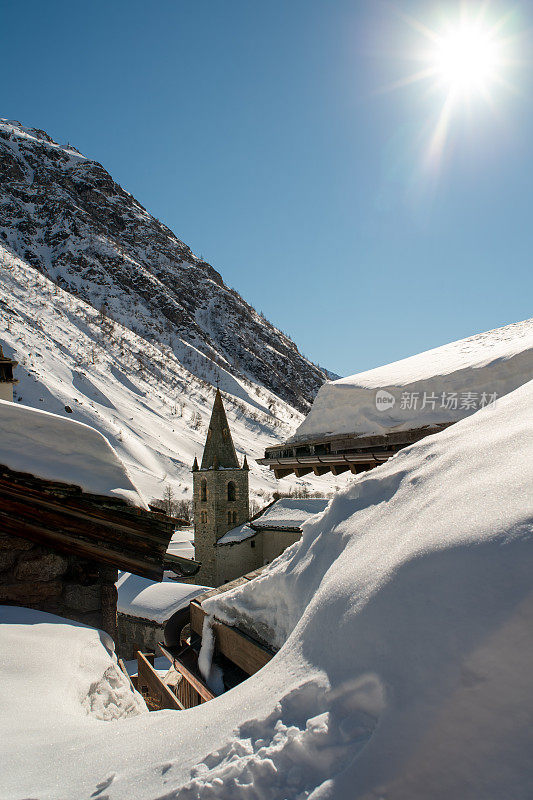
248	547
220	493
7	381
70	517
226	542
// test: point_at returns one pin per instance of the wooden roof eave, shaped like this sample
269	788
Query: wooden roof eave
99	528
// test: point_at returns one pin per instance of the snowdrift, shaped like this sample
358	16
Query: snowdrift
59	679
404	616
441	385
59	449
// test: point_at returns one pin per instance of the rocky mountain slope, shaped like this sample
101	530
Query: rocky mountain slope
117	324
65	216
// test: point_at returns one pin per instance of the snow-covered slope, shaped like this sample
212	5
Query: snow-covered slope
405	616
155	412
441	385
63	214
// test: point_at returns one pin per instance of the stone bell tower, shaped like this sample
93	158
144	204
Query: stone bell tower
7	381
220	493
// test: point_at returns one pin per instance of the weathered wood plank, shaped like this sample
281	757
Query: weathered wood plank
149	681
246	653
130	539
198	685
239	648
197	618
78	545
126	673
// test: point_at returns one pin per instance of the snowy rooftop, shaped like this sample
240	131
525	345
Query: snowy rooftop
238	534
58	449
140	597
289	513
182	543
438	386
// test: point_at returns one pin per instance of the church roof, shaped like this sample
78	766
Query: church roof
287	514
219	449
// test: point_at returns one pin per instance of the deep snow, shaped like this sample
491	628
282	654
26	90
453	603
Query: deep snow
59	449
441	385
404	616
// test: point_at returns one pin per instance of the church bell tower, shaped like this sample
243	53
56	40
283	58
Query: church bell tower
220	493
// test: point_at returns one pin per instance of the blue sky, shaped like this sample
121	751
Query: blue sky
262	134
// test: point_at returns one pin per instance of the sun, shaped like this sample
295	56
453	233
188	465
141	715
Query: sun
467	59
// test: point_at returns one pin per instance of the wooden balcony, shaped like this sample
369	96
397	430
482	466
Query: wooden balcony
338	454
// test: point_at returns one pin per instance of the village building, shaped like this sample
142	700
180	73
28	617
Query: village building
7	381
226	542
359	422
70	518
150	613
220	494
258	542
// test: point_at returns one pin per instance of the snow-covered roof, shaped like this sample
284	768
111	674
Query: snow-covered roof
289	514
58	449
182	543
140	597
238	534
438	386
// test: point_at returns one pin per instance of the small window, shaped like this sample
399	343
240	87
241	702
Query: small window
252	544
232	492
229	517
203	491
234	517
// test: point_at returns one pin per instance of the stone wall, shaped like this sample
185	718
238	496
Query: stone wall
137	634
211	519
237	559
36	576
6	391
275	542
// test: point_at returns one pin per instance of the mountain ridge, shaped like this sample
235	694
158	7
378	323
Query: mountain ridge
65	215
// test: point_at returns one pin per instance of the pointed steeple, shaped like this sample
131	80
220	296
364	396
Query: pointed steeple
245	463
195	465
219	449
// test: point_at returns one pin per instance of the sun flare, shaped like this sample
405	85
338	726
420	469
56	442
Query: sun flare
466	59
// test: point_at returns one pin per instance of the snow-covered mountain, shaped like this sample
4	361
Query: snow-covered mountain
115	321
64	215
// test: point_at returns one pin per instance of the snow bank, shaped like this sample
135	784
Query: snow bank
140	597
60	449
441	385
404	614
55	674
